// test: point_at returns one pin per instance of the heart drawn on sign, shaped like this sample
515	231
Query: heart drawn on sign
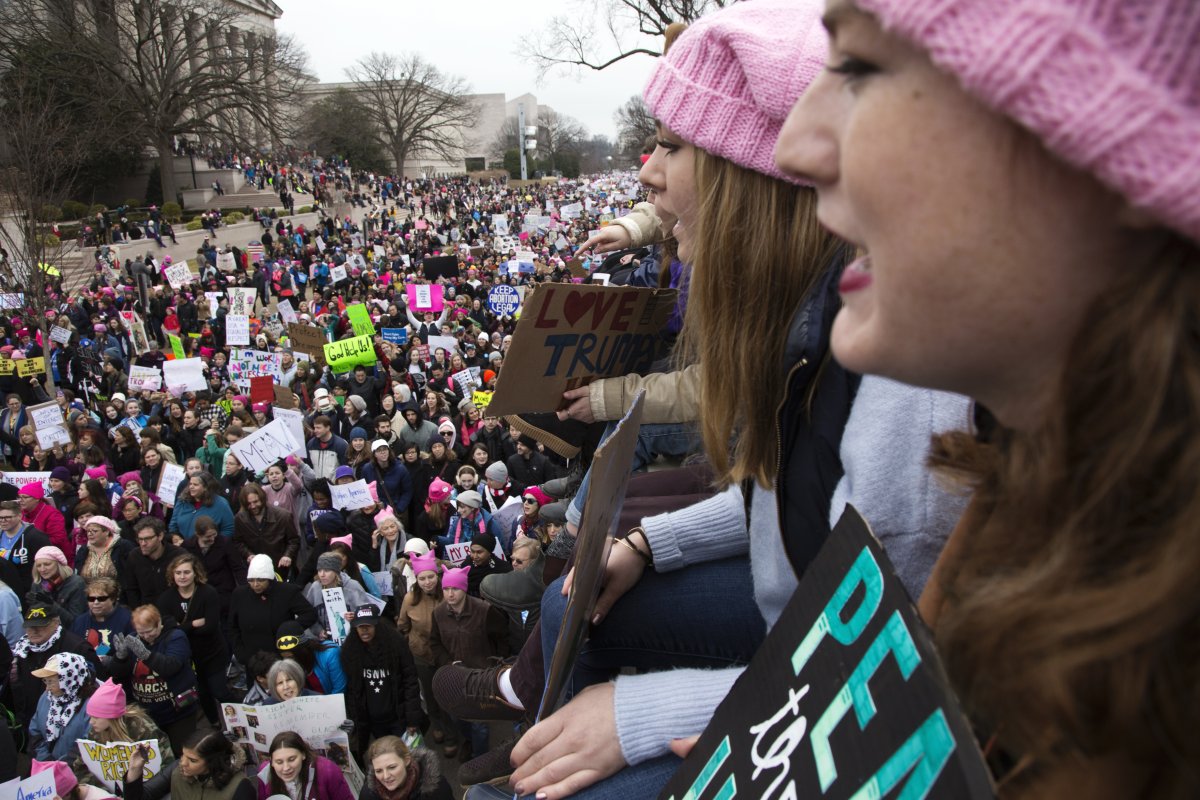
576	305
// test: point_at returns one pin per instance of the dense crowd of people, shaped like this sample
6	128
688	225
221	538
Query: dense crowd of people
977	330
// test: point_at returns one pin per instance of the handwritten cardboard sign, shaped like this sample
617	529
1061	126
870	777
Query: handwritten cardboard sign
237	329
307	339
351	496
185	372
345	354
109	762
286	312
144	378
846	698
179	275
360	320
570	335
168	483
261	449
60	335
36	787
27	367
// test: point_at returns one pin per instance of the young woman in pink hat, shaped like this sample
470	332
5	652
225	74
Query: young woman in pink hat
1023	181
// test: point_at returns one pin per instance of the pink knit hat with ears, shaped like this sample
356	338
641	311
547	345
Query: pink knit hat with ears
425	563
1113	87
384	515
455	578
731	78
107	702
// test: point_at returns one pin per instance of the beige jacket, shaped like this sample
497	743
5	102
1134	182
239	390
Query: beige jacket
643	224
670	396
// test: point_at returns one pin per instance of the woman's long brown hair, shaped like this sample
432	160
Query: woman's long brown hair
1071	619
758	252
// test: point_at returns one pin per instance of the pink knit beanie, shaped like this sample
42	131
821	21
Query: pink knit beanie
107	702
731	78
1110	86
425	563
455	578
51	553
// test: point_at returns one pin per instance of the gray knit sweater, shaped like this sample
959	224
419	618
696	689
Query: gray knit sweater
883	451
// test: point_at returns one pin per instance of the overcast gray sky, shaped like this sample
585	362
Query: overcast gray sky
475	39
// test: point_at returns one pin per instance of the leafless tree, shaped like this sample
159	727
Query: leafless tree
39	161
167	68
598	35
634	124
419	111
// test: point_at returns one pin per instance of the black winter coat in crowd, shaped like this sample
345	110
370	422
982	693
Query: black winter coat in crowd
147	577
381	679
254	618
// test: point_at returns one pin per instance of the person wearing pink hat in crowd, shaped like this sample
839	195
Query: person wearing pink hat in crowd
46	518
66	786
344	547
387	546
114	719
1030	229
465	630
432	523
55	582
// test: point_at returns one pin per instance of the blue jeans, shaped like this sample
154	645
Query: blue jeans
655	439
701	616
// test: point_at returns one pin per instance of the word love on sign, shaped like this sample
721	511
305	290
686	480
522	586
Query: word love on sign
569	336
845	700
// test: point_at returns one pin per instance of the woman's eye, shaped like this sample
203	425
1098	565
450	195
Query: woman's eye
852	68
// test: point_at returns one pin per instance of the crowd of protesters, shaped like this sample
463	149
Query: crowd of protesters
977	330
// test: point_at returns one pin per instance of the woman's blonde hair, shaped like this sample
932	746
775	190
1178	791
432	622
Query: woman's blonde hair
129	727
758	252
1070	619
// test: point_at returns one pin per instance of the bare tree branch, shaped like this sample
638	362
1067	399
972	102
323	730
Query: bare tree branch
419	112
600	34
634	124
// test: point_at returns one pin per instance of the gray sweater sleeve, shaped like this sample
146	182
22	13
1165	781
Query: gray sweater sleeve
706	531
649	713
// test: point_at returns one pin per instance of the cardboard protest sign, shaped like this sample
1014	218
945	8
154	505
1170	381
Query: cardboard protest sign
237	329
467	380
360	320
286	312
284	398
7	366
577	268
436	267
49	426
225	262
241	299
338	273
846	698
447	343
601	509
344	354
307	339
185	372
394	335
245	365
570	335
143	379
273	442
28	367
168	483
503	300
109	762
35	787
179	275
176	346
294	420
481	399
19	479
60	335
315	718
262	389
351	496
335	613
425	297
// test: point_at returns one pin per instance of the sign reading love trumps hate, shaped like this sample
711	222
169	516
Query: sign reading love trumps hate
846	698
570	335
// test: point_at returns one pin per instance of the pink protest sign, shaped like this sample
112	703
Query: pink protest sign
424	297
421	225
